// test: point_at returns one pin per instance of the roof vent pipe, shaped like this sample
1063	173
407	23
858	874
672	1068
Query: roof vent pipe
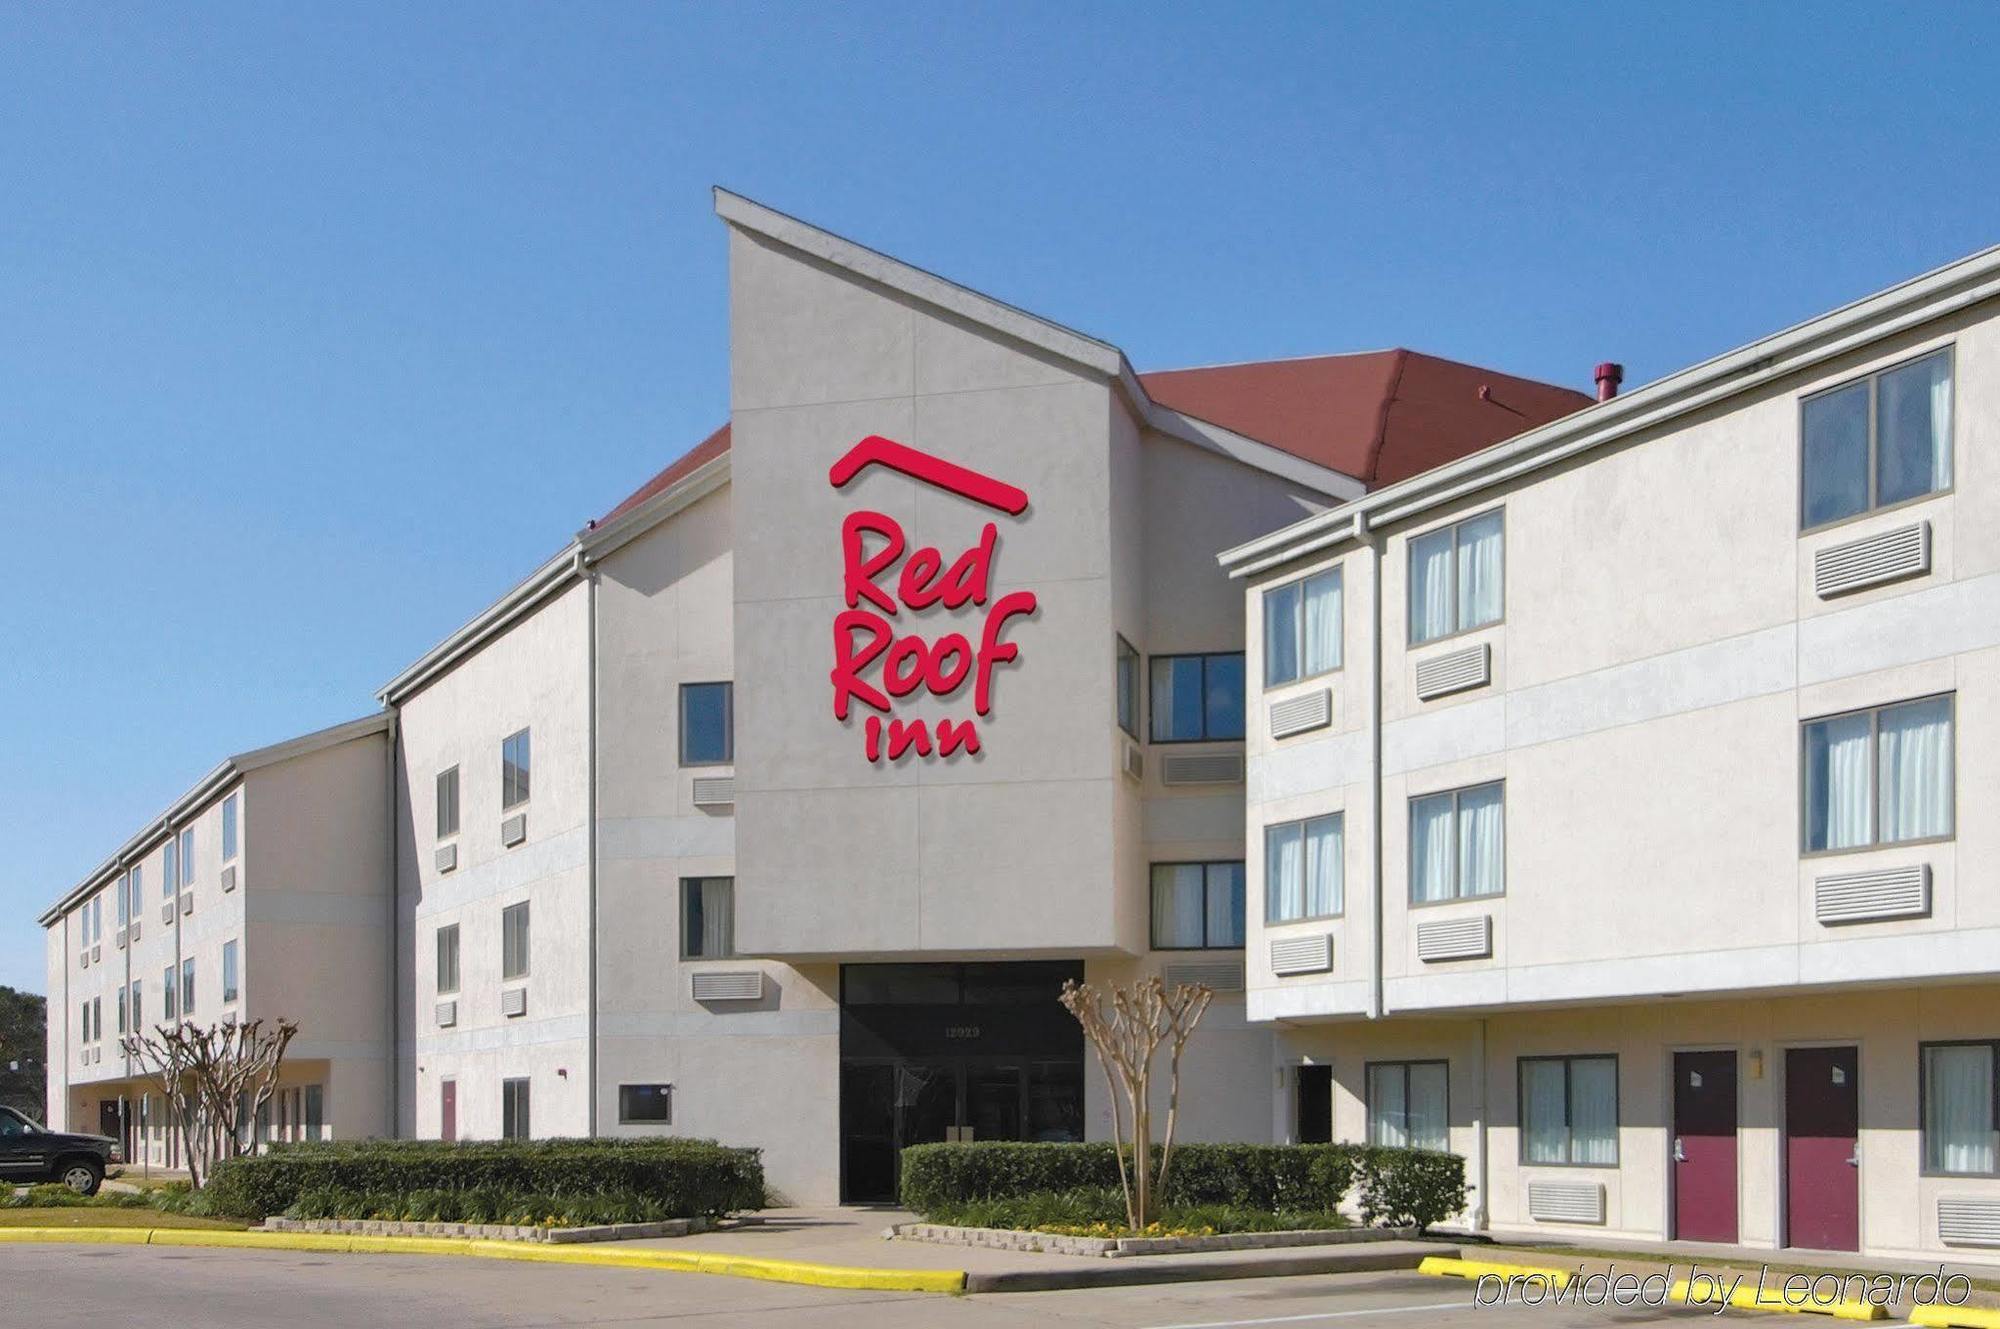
1609	376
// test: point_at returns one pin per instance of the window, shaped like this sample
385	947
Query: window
708	918
138	889
514	764
1302	628
167	990
1304	869
124	893
187	988
137	1026
229	828
1197	697
170	863
83	1023
447	803
97	1017
315	1111
1128	687
1456	578
652	1103
1458	847
229	971
1408	1104
121	1010
1881	776
447	959
187	857
1569	1110
708	724
514	941
1197	906
1878	441
514	1109
1961	1108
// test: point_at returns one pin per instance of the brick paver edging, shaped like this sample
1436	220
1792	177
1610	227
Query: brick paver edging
372	1227
1014	1239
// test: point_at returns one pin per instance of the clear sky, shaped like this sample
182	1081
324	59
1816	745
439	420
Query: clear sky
320	325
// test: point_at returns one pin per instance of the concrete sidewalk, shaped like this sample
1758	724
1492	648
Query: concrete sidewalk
853	1236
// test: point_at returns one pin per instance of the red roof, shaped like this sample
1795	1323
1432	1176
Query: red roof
1380	416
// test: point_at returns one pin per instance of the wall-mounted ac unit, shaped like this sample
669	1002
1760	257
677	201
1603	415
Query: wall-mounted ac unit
1455	938
1311	954
1873	559
513	1002
1455	671
447	1014
447	857
135	929
187	902
736	985
1566	1201
1969	1220
1865	897
1216	975
229	878
1297	715
1185	768
1135	762
714	791
120	938
514	829
167	912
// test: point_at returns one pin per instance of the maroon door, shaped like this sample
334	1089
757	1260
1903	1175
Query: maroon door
448	1110
1822	1149
1705	1146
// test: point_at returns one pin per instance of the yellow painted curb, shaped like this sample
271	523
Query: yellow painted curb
692	1262
1445	1267
1773	1300
1956	1317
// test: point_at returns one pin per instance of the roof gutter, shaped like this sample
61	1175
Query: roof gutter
1922	299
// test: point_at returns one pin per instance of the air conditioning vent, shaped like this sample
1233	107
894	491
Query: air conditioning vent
1135	762
135	929
1455	671
1203	768
1864	897
447	857
1456	938
1969	1220
120	938
167	912
229	878
1302	955
187	902
1219	976
1872	560
447	1014
97	953
513	1002
1566	1201
1297	715
714	791
742	985
83	958
514	829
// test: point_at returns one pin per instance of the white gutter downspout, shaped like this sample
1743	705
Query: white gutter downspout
1373	543
395	1076
1480	1125
589	575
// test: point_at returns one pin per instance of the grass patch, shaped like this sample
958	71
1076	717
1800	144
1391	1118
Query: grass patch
1101	1213
1779	1267
93	1216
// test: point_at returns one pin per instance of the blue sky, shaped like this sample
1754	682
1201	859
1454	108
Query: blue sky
320	325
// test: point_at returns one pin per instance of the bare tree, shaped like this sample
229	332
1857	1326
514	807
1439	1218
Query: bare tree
216	1081
1126	1030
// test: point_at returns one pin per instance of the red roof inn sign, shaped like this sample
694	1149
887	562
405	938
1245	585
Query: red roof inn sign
865	634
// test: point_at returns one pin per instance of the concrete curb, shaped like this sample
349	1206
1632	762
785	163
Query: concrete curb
1956	1317
691	1262
1175	1269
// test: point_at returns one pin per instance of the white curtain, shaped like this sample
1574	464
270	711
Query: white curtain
1281	634
1177	905
1479	571
1958	1109
1431	848
1388	1107
1322	625
1593	1110
1225	904
1914	770
1481	848
1428	1128
1838	807
718	917
1323	867
1284	872
1544	1118
1941	423
1163	699
1430	586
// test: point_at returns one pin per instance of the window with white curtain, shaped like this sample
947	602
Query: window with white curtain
1302	628
229	828
1456	577
516	765
1879	776
1304	873
1961	1113
708	918
229	974
447	959
1407	1104
1128	687
1876	442
1197	906
1197	698
170	868
447	803
187	857
1569	1110
514	941
1458	844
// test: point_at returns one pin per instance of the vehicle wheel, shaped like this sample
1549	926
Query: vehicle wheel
82	1177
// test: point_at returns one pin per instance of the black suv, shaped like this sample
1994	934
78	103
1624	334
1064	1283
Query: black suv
29	1152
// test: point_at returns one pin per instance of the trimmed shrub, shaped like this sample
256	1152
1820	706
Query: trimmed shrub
1409	1187
1102	1212
672	1177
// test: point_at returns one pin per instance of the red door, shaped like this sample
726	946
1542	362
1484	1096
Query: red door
1822	1149
448	1110
1705	1146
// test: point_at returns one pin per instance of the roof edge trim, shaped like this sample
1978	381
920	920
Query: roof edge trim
543	582
598	541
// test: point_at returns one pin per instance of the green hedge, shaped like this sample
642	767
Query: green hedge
684	1178
1393	1187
